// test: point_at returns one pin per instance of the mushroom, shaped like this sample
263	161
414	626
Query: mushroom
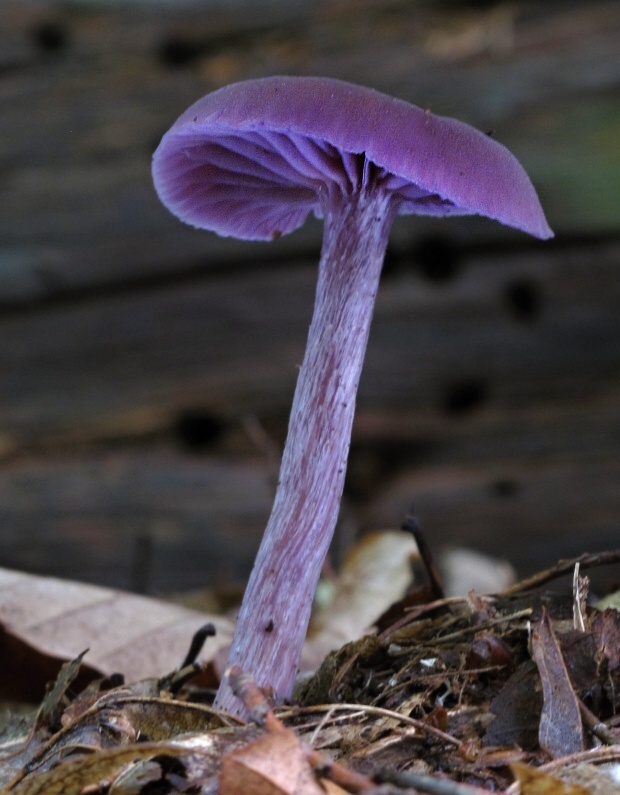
252	160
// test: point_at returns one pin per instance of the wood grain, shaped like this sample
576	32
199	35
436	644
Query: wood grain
137	355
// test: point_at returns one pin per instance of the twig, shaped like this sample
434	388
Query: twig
386	713
596	725
593	756
414	613
586	561
197	642
253	699
343	776
475	628
411	525
429	784
580	595
608	753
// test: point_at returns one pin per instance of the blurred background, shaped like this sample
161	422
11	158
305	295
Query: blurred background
147	369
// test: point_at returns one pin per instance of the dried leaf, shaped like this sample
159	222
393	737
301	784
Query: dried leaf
273	764
120	719
595	779
161	719
466	570
46	620
375	574
72	777
161	774
560	731
52	706
535	782
605	627
516	711
611	601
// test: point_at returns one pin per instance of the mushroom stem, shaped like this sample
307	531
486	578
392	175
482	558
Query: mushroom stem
274	616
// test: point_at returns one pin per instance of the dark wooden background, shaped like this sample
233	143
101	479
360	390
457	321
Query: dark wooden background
146	369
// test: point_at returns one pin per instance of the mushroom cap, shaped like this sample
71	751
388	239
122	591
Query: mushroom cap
254	158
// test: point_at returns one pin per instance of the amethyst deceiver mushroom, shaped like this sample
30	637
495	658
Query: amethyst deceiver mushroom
252	160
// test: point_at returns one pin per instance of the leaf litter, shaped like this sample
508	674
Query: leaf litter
513	692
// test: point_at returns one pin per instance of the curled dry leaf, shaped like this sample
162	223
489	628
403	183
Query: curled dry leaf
536	782
277	762
273	764
45	621
75	776
560	732
376	573
465	570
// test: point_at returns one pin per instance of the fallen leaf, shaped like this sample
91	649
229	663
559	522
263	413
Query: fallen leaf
51	709
45	621
74	776
606	629
465	570
163	719
535	782
560	732
376	573
516	710
611	601
595	779
273	764
277	762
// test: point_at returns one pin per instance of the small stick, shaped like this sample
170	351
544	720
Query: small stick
420	725
253	699
411	525
429	784
596	725
586	561
198	641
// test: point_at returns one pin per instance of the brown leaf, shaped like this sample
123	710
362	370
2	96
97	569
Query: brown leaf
45	621
376	573
516	711
294	761
536	782
595	779
162	719
273	764
52	707
606	629
465	570
72	777
560	731
593	661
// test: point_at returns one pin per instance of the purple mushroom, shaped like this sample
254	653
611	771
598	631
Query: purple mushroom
252	160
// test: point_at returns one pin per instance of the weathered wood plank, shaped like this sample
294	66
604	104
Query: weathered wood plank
497	419
152	520
524	512
490	396
231	345
158	520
